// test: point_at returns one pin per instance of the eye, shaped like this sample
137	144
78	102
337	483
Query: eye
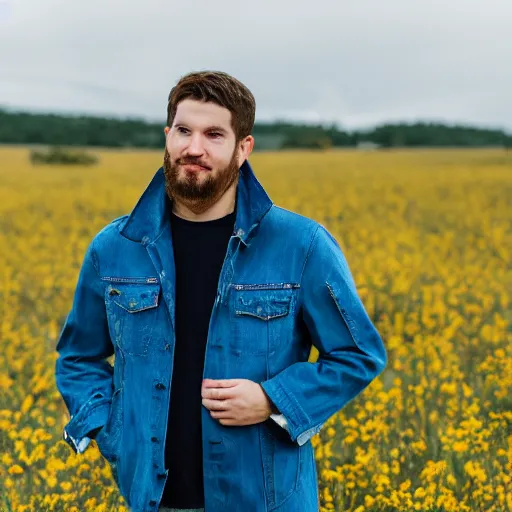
215	134
181	129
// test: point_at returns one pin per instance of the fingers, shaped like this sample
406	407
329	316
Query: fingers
222	415
220	410
229	423
216	405
220	383
218	393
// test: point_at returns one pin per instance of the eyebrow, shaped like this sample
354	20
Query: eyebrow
214	128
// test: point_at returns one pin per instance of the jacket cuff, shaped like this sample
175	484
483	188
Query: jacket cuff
296	418
77	446
91	415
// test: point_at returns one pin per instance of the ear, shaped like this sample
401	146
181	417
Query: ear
246	147
166	130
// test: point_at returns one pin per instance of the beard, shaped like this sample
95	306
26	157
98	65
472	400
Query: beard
198	195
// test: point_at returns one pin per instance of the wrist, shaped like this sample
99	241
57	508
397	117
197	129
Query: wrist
272	407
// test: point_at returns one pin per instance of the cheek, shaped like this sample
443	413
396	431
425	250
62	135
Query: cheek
174	146
220	157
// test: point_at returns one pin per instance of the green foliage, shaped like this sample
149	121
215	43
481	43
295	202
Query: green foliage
50	129
57	155
436	135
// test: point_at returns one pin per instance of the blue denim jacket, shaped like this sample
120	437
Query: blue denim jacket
284	285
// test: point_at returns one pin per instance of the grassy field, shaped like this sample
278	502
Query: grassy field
428	237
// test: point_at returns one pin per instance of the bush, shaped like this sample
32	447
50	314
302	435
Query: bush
57	155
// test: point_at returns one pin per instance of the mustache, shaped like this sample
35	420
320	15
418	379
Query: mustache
191	161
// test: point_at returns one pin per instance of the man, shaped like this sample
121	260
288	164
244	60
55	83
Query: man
210	296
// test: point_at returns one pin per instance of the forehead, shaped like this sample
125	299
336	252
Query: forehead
201	114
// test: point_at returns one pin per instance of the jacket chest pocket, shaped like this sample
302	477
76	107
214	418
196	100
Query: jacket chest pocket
132	308
261	320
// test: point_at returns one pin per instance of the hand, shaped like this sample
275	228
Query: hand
236	401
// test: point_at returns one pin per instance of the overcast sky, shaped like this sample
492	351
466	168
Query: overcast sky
353	62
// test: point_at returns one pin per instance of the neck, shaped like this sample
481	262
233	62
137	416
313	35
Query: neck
224	206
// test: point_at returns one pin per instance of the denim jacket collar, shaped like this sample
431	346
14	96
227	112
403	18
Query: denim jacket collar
151	214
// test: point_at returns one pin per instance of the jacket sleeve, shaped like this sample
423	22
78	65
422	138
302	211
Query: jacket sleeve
351	351
83	376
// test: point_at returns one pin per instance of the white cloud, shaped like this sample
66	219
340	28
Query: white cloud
354	62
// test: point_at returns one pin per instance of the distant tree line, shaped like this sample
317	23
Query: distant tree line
53	129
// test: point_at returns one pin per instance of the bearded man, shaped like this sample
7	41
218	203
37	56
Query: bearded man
211	297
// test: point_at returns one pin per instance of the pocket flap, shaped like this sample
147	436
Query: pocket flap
264	307
135	297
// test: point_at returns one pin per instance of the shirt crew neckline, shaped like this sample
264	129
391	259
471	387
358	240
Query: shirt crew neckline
227	219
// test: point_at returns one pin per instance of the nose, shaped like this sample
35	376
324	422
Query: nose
195	146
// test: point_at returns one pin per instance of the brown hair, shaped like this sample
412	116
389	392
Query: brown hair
220	88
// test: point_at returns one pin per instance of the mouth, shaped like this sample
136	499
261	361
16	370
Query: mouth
194	167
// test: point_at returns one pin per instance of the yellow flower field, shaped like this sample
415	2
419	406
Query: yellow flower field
428	236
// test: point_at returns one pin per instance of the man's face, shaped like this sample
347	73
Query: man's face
202	159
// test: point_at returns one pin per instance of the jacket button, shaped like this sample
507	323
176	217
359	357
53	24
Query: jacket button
160	386
154	439
167	346
152	503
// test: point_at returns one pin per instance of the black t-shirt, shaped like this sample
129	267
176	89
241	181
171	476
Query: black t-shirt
199	252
